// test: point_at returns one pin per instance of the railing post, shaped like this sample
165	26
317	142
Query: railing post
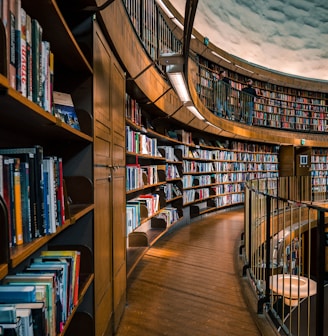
320	299
249	238
266	297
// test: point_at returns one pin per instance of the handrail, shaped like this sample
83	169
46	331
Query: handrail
284	255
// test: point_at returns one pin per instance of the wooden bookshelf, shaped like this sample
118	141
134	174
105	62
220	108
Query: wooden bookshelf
25	123
278	106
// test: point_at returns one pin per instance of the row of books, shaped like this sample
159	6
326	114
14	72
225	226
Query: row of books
29	58
169	153
171	190
172	171
31	62
133	111
139	176
32	187
140	208
169	214
139	143
39	300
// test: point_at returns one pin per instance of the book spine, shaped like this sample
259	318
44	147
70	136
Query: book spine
18	203
36	61
77	278
48	166
51	88
45	75
26	206
12	44
18	41
23	56
46	201
61	200
29	82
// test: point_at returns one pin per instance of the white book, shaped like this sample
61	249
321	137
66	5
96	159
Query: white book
25	315
48	167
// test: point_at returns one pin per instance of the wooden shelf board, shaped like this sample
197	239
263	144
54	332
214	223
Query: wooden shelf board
85	282
3	270
22	116
56	31
20	253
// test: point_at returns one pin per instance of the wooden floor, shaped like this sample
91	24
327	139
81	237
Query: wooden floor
189	283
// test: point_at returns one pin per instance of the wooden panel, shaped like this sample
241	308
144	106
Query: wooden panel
286	161
118	115
103	199
119	244
119	185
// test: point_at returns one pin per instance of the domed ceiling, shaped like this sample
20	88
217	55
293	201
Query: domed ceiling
287	36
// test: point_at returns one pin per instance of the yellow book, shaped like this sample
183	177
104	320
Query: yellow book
18	203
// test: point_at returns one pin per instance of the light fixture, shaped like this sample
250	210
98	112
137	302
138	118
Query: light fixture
240	67
210	124
178	81
174	71
195	112
161	4
217	55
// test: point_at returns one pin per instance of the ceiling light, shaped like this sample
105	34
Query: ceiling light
195	112
165	9
240	67
217	55
178	82
178	23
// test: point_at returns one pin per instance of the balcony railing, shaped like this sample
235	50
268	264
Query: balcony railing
285	246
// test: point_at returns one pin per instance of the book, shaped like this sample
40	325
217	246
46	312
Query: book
73	257
50	194
37	32
63	280
49	279
25	314
58	270
12	43
18	203
29	81
8	197
18	28
64	109
26	202
12	329
38	314
60	191
33	155
45	76
23	59
7	313
14	294
45	293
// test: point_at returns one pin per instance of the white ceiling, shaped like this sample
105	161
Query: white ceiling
289	36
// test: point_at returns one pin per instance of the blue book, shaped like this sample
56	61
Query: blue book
15	294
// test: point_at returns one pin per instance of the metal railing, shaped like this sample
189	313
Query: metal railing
285	246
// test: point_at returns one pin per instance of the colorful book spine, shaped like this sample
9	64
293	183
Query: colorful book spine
26	202
37	61
18	203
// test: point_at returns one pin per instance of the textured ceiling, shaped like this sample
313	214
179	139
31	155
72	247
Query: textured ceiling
288	36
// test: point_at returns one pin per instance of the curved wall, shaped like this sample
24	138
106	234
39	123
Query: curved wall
150	82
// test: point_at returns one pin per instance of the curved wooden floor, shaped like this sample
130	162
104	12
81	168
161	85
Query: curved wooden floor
189	283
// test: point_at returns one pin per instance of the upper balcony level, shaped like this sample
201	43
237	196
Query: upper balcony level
288	110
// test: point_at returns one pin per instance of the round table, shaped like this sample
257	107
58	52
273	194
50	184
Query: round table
292	287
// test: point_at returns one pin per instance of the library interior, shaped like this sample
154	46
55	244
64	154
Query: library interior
170	174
